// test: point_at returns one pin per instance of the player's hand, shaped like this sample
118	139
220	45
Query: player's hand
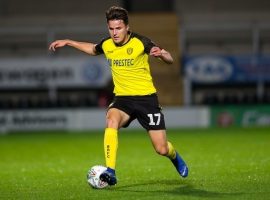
156	52
161	54
58	43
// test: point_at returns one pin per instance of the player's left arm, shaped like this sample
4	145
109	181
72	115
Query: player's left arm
162	54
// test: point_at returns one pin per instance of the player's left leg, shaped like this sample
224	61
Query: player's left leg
165	148
150	116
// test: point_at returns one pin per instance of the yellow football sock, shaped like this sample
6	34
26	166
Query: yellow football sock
110	146
171	153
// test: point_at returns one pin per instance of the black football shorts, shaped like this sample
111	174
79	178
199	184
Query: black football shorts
145	109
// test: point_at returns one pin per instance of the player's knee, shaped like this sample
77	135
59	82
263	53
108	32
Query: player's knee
162	150
112	123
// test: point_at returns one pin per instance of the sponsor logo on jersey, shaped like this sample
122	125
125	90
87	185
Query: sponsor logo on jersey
121	62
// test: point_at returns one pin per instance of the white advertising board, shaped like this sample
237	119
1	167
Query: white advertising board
90	71
87	119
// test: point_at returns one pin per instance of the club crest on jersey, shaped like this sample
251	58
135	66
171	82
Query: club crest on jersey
129	51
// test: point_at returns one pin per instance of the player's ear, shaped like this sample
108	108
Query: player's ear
127	27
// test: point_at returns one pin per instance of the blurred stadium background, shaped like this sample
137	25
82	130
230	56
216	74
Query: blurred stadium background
221	76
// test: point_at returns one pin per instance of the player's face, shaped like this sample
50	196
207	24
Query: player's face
118	31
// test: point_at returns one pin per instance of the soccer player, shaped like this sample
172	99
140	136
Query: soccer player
135	94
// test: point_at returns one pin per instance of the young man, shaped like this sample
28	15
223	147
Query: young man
135	95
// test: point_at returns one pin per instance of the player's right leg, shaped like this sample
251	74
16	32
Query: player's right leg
114	120
110	149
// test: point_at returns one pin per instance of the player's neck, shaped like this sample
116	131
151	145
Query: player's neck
126	40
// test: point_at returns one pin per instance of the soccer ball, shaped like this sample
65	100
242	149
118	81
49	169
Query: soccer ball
93	177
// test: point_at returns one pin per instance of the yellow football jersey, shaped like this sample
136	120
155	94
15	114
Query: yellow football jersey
129	65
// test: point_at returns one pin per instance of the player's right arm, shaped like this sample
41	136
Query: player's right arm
86	47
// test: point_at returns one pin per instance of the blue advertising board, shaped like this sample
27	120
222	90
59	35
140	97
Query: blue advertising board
216	68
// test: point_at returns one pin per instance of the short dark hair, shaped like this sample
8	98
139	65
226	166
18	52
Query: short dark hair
116	12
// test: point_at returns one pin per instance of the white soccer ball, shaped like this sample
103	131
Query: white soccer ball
93	177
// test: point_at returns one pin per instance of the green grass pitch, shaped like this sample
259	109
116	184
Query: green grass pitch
231	163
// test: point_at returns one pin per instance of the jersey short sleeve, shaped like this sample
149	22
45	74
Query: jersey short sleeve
148	44
98	47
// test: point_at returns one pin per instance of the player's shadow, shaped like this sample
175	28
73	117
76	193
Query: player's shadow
177	188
